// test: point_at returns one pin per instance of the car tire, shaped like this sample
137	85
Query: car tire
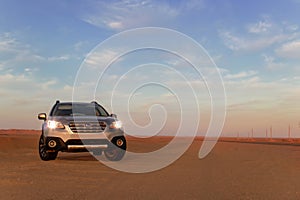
44	154
115	152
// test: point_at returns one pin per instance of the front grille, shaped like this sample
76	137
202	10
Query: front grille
87	127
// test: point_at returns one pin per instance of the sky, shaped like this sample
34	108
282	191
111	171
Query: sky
254	44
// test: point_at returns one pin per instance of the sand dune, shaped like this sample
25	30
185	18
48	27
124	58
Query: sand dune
233	170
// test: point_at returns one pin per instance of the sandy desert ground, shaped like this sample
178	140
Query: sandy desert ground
233	170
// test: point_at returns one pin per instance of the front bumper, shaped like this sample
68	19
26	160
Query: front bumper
75	145
66	140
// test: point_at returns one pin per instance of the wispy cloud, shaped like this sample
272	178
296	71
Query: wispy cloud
289	50
239	75
260	27
247	105
28	95
258	36
29	87
255	93
15	53
193	5
59	58
272	63
120	15
100	59
81	44
23	83
18	56
244	43
8	43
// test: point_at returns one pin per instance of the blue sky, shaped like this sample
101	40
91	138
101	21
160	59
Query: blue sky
256	44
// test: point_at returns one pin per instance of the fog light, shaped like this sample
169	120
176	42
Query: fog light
52	143
120	142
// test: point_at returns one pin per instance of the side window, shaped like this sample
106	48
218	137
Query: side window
101	111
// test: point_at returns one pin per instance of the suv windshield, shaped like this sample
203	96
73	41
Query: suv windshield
69	109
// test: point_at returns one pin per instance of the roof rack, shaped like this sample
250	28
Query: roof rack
57	101
95	102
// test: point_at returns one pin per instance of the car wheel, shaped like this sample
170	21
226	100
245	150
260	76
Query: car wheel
44	155
117	151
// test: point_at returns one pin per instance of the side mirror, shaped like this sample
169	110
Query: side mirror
114	116
42	116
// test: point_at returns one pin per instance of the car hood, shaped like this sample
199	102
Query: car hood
68	119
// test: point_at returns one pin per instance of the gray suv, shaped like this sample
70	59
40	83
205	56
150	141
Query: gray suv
78	127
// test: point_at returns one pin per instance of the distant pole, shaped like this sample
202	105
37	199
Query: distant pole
289	132
266	133
252	133
271	133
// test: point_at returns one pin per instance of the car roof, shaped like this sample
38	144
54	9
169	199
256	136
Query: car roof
74	102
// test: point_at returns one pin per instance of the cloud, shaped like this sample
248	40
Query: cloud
260	27
14	53
245	81
194	5
79	45
28	95
257	94
15	87
120	15
8	43
99	59
247	105
23	83
271	63
59	58
239	75
289	50
30	70
244	43
116	25
260	35
17	56
292	27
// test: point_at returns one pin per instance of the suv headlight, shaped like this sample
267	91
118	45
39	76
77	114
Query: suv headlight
116	125
54	124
